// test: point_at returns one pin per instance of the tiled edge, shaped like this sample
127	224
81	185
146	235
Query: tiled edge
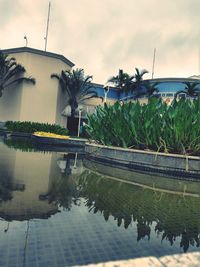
180	260
177	260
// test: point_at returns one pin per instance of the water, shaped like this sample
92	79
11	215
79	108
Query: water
56	210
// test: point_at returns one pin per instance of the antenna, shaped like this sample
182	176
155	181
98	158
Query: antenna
47	29
25	37
154	57
199	62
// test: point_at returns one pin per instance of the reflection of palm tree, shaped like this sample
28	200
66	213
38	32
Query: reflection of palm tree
63	191
190	237
127	204
143	229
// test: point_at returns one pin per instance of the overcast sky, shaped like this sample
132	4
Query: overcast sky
102	36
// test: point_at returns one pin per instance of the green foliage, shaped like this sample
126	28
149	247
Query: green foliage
11	73
130	83
31	127
77	85
154	126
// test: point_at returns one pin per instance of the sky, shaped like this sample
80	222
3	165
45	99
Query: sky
103	36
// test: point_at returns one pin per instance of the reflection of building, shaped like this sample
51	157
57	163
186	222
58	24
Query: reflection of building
32	170
36	182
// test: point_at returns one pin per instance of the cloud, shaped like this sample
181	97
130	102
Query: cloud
103	36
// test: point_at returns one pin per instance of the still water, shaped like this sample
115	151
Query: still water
59	209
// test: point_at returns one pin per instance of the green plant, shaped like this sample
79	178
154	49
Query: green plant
77	85
191	89
154	126
11	73
31	127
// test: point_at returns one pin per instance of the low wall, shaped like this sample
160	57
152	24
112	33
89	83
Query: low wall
146	161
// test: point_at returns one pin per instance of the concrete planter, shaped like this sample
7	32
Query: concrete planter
58	141
145	161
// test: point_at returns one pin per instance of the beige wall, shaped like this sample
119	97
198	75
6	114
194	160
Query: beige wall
35	180
39	102
10	103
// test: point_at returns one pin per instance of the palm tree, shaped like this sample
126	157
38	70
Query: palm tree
191	89
151	88
138	81
77	85
11	73
123	81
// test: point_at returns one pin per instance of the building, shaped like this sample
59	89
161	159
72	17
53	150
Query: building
42	102
46	102
167	88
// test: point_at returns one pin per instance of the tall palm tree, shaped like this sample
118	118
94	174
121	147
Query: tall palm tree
191	89
11	72
138	76
123	81
77	85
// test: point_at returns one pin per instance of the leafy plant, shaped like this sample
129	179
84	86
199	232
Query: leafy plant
11	72
191	89
155	126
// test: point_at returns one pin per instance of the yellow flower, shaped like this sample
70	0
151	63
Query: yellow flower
51	135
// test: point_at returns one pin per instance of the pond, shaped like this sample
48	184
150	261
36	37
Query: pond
59	209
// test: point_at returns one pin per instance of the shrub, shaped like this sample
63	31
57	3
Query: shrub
155	126
31	127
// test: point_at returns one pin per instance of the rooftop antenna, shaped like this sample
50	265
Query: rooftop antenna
154	57
199	63
47	29
25	37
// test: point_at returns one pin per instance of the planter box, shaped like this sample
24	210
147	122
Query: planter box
58	141
145	161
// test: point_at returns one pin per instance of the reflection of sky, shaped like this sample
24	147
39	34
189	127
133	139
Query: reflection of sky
76	235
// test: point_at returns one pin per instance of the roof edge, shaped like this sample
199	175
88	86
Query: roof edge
38	52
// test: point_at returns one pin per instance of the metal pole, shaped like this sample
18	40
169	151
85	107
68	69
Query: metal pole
106	91
199	62
154	57
47	29
79	122
25	37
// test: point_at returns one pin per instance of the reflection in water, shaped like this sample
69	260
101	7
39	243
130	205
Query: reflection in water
174	215
37	185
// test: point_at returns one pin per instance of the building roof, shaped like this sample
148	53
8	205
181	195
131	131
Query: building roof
38	52
173	79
